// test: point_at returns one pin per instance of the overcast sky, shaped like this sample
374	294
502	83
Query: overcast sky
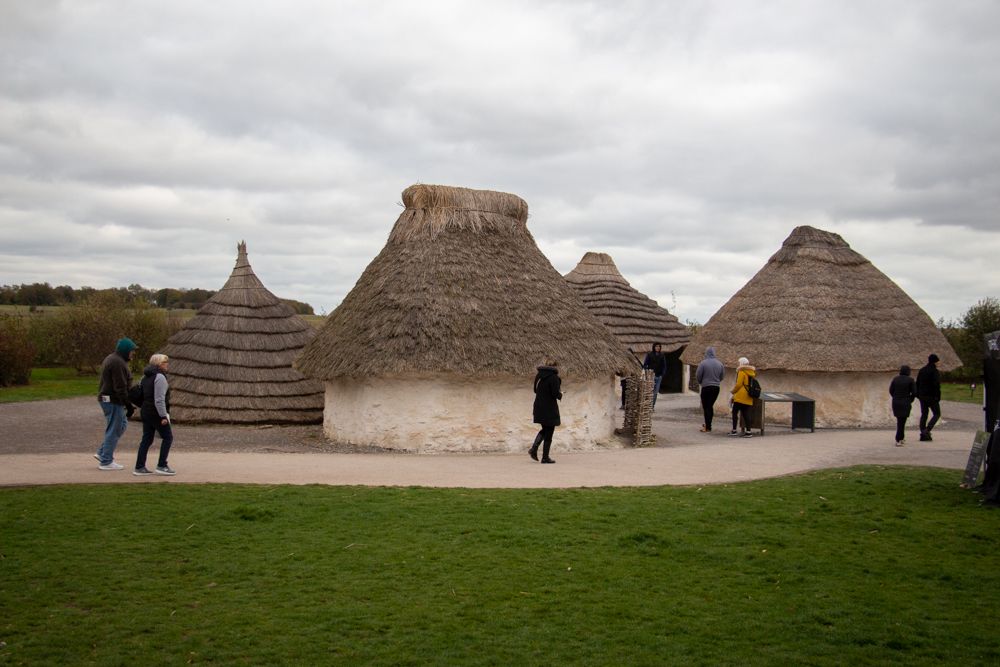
140	141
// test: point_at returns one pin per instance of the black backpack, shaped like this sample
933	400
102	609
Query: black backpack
135	394
753	387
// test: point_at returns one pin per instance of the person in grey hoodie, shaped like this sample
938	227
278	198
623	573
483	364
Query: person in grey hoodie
709	376
155	412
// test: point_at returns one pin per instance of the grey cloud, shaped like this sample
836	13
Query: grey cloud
686	138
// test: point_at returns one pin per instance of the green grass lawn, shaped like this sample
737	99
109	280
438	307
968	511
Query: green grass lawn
962	393
863	566
49	383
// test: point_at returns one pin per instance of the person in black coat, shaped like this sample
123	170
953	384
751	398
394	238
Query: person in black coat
548	391
902	389
929	395
155	413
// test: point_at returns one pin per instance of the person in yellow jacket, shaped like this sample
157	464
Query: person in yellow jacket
742	402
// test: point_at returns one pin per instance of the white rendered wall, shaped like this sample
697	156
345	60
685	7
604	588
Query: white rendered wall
843	400
456	414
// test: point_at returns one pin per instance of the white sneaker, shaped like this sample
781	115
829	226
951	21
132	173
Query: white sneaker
165	470
111	466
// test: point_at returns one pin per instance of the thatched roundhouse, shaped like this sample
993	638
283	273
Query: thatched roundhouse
436	346
232	362
820	320
636	320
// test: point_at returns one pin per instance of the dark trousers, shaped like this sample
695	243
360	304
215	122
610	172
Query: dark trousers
932	405
708	397
741	409
544	438
166	439
902	413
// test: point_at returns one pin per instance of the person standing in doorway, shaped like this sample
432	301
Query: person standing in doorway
929	395
742	401
112	394
656	361
709	376
548	393
902	389
155	413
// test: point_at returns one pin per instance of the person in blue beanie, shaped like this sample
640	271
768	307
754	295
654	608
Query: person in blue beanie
116	379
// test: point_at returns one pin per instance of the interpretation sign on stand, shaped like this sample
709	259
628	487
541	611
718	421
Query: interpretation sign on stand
975	459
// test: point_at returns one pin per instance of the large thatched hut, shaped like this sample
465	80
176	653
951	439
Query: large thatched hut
436	346
636	320
232	362
820	320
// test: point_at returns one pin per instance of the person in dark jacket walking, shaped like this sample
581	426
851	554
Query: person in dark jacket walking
709	376
656	361
929	395
112	395
548	391
902	389
155	413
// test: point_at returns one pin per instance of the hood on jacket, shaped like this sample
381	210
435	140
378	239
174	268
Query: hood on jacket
151	370
124	347
904	370
548	370
710	353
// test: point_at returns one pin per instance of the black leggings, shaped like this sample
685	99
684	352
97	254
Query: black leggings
902	413
744	409
545	437
708	397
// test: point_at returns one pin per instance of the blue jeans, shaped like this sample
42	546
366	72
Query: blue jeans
166	439
657	379
114	427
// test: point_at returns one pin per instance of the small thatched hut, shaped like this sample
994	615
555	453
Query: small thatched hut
232	362
436	346
636	320
820	320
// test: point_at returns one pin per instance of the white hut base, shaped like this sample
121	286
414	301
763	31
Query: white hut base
843	400
454	414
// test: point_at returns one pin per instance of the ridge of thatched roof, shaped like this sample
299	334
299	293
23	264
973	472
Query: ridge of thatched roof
635	319
232	362
460	288
818	305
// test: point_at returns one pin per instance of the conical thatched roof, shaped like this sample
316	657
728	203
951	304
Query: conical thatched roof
817	305
460	288
635	319
232	362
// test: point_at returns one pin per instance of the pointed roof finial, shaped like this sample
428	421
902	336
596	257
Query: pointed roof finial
241	254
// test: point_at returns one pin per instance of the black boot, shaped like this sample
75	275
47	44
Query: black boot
533	452
545	453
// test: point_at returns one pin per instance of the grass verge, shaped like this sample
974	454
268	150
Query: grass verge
50	383
868	565
960	392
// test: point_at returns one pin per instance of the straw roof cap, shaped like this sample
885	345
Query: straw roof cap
635	319
460	288
232	362
818	305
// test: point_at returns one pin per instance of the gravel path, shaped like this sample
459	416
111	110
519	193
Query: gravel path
50	442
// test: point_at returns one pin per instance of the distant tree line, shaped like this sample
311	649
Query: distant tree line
966	337
44	294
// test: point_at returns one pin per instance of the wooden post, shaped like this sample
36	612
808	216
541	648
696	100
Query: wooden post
639	409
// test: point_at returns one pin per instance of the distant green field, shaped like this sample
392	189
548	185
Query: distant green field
962	393
50	383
